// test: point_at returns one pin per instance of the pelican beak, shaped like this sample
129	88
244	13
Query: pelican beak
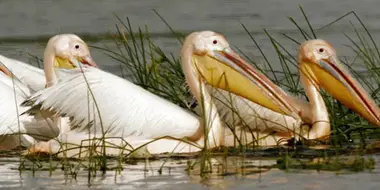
331	75
63	63
74	62
87	60
5	70
228	71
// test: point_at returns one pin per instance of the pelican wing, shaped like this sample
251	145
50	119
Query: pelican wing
235	110
13	93
32	77
238	111
10	98
99	102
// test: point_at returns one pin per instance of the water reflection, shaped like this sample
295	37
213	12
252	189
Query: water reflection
173	175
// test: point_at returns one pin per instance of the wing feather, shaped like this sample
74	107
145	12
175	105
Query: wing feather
124	108
31	76
235	110
12	123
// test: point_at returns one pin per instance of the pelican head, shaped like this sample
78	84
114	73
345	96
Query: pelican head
319	63
65	51
215	63
68	50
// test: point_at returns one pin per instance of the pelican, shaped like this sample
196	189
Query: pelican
62	53
320	68
19	80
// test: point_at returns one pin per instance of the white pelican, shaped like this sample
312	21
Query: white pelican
63	52
256	106
18	80
320	68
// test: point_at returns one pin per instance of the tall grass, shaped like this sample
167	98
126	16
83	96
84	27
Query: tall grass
150	67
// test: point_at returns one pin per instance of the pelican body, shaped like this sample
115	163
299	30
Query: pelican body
16	130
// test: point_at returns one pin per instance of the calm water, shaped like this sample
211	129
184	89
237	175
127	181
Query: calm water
33	19
145	175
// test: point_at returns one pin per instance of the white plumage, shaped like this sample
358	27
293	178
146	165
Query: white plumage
14	93
125	109
235	110
248	118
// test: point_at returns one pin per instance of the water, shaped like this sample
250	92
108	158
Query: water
24	22
145	175
32	19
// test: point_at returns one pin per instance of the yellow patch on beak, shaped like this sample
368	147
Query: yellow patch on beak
343	92
220	75
63	63
308	71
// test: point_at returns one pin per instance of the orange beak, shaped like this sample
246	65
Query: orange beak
227	70
331	75
5	70
88	61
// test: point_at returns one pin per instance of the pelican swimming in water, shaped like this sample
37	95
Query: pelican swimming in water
16	84
320	68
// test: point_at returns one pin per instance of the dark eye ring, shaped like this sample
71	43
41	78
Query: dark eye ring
76	46
214	42
321	50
